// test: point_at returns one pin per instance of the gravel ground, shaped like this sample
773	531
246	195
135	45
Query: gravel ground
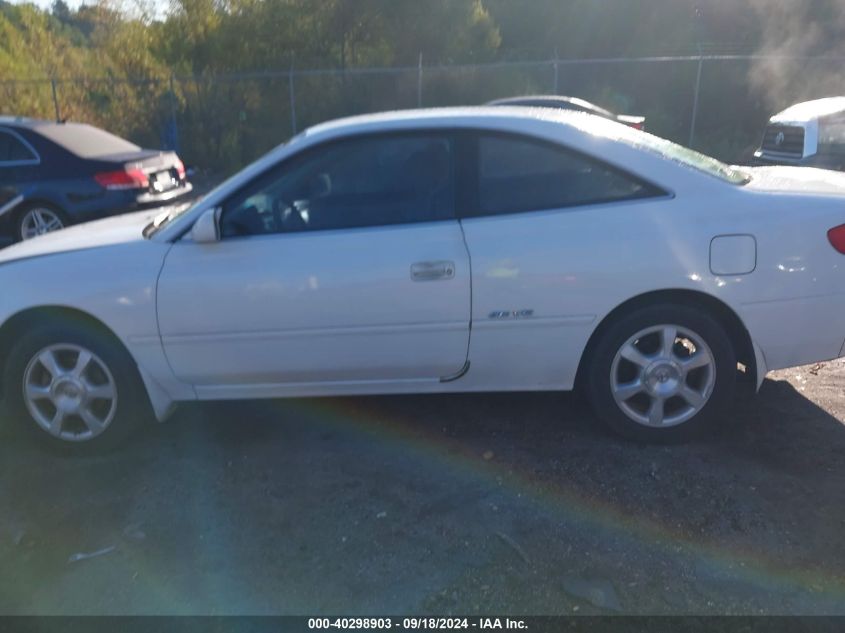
502	503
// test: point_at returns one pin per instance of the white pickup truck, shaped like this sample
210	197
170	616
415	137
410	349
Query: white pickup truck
810	134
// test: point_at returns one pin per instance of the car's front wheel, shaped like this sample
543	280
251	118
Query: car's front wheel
37	219
73	387
662	373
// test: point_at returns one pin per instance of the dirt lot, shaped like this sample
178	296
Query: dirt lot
513	504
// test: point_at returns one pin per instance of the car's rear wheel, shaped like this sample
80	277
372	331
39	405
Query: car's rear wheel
662	373
38	219
73	387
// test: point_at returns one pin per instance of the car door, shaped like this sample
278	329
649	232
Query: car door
344	265
548	230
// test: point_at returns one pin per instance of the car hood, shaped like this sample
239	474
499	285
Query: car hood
796	180
114	230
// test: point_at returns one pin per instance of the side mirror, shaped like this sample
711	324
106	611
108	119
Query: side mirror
207	227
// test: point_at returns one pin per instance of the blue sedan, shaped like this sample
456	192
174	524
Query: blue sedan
53	174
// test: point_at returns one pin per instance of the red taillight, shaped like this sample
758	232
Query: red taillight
836	235
638	126
180	168
123	179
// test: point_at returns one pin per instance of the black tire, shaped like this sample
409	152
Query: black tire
26	208
129	409
618	334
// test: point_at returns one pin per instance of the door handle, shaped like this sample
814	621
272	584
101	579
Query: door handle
431	271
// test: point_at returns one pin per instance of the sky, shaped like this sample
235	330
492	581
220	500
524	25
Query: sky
73	4
161	5
46	4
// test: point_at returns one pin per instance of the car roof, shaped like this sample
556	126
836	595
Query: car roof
446	117
40	125
809	110
25	122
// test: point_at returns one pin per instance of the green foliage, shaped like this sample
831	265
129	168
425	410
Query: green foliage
123	65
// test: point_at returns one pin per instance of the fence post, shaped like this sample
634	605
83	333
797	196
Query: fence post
292	99
419	81
55	99
557	72
695	99
174	125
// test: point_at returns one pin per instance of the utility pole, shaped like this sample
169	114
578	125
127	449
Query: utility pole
292	99
55	100
695	98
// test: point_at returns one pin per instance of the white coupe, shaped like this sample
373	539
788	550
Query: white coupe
453	250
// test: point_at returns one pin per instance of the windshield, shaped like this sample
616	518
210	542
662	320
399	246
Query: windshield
666	149
173	213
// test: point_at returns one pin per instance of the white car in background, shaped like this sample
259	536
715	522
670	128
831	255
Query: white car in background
454	250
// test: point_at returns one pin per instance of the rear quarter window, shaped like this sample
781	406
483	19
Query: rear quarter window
13	149
517	174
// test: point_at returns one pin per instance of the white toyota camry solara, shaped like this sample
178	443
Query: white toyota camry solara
450	250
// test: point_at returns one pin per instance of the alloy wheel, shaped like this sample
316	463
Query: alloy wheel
663	375
70	392
39	221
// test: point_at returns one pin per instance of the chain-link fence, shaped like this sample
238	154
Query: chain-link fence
716	103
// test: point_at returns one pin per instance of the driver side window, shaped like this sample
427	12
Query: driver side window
366	181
